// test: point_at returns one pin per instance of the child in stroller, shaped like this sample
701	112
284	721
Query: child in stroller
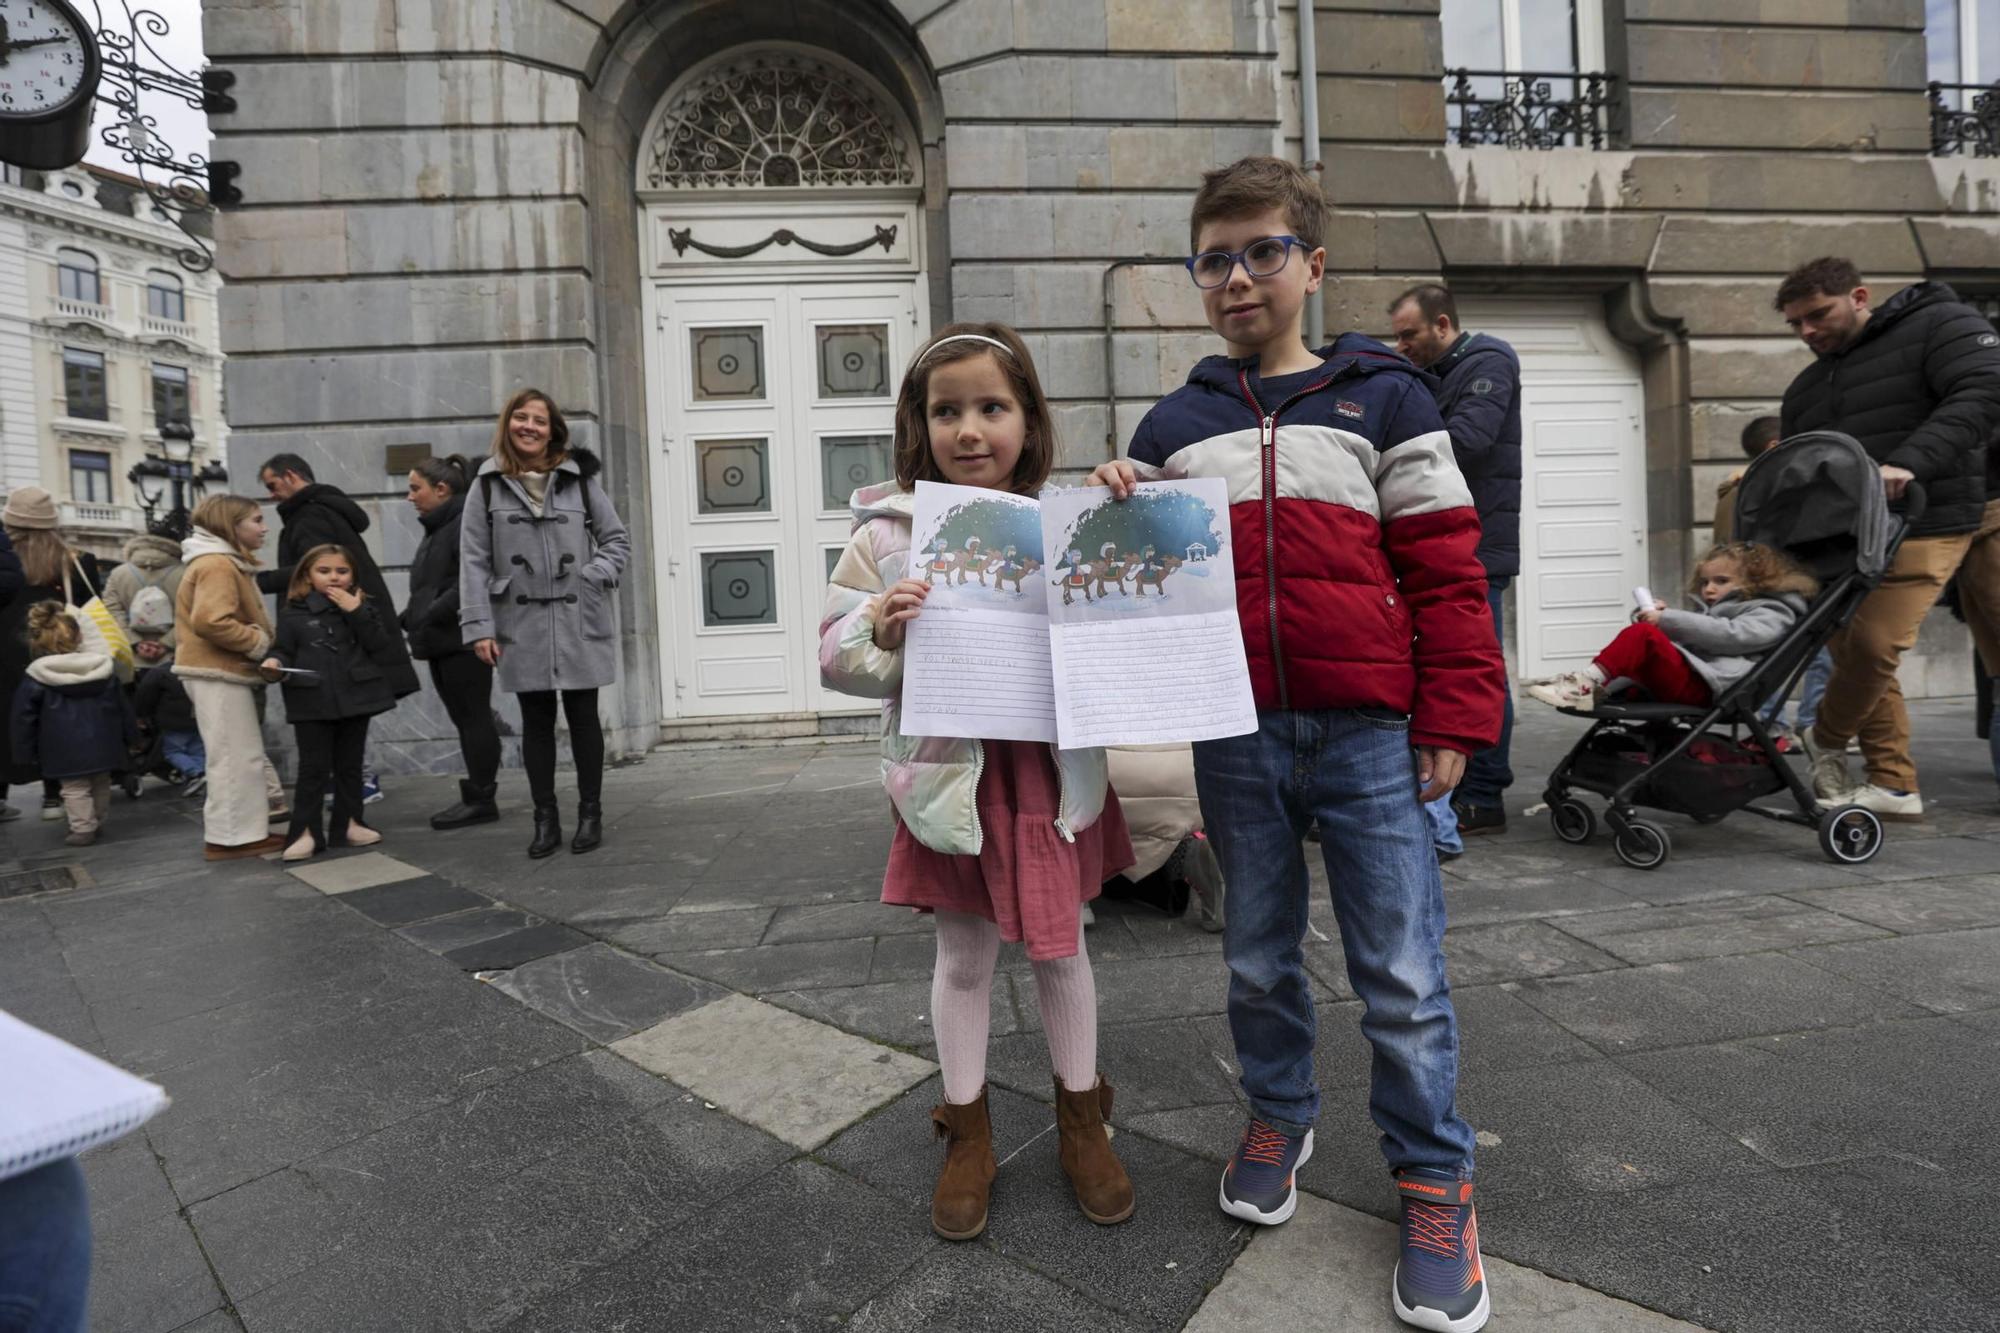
1748	598
1695	739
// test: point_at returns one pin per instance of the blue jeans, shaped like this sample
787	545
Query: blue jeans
1351	772
1444	824
1487	772
184	751
1811	686
44	1250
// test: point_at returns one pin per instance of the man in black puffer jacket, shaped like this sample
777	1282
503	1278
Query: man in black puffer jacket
1917	381
1479	396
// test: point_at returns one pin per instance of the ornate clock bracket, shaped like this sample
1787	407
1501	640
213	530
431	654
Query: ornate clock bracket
179	185
682	238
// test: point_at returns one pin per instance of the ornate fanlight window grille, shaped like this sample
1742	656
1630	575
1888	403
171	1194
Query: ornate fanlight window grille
778	120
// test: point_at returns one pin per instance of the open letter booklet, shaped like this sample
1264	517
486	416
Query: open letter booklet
56	1100
1076	618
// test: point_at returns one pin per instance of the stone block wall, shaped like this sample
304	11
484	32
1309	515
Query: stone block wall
1755	134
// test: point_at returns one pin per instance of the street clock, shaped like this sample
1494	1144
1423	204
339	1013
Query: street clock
49	68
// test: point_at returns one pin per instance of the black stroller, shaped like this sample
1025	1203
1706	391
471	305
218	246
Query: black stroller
1817	496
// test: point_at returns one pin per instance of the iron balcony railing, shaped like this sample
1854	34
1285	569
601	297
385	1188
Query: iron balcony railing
1521	109
1962	126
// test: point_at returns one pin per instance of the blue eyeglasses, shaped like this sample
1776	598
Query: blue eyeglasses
1260	259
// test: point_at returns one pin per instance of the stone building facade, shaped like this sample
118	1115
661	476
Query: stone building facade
448	199
103	334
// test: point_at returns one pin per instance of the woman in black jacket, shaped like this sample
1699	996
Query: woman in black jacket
334	654
430	619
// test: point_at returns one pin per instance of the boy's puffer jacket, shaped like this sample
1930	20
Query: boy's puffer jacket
1356	579
932	780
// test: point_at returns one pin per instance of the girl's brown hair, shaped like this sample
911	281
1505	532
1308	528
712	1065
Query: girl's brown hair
219	516
301	585
44	556
52	629
511	462
1764	569
913	435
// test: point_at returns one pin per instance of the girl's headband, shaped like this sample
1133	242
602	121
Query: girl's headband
967	337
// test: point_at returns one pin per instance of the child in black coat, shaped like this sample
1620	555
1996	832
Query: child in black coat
331	651
71	718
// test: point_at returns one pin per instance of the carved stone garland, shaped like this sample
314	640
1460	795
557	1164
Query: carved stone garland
771	121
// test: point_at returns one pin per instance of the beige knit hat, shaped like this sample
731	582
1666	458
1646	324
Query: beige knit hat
29	507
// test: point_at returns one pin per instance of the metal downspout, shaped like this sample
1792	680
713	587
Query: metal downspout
1309	146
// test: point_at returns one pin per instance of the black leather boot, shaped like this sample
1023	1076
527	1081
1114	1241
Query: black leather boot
475	806
589	826
548	831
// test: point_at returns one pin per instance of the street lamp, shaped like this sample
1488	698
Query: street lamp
171	472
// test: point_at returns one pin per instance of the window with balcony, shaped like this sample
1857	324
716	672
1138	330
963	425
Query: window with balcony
89	477
1526	73
84	386
1962	38
165	297
170	395
76	277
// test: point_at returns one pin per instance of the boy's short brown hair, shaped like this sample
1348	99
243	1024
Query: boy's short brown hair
1254	184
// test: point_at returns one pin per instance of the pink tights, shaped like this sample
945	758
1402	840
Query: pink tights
961	996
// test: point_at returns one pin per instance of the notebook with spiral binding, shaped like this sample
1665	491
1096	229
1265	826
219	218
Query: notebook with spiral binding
56	1100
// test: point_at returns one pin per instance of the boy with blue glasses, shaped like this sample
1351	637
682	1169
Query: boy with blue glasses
1376	672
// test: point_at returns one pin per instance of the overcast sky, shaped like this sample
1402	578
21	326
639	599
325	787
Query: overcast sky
180	125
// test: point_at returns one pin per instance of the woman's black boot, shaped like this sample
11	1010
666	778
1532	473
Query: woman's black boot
589	826
548	830
475	806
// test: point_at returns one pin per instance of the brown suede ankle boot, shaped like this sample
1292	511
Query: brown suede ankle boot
958	1205
1103	1190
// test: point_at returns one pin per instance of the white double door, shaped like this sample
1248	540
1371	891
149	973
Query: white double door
1583	478
777	403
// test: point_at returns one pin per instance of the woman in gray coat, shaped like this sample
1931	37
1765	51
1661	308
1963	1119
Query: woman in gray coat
540	552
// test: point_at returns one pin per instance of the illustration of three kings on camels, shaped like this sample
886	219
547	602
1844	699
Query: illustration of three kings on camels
1093	578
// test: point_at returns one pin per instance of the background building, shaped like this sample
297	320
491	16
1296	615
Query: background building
716	231
103	335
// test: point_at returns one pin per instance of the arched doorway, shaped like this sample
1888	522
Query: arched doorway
779	191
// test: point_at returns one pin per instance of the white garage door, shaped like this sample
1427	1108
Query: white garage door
1583	484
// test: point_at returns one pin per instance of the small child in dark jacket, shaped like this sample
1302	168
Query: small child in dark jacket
334	642
158	695
71	718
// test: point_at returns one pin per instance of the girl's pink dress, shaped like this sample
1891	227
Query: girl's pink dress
1026	879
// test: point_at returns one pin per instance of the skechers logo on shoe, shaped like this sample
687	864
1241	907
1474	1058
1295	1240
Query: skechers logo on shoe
1421	1188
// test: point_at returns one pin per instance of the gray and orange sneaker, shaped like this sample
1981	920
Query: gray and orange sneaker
1260	1184
1440	1283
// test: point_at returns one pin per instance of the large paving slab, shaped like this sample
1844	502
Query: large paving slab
798	1080
1948	973
1156	1266
345	874
1712	929
601	992
1710	999
1328	1271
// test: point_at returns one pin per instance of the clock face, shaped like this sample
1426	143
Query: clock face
47	59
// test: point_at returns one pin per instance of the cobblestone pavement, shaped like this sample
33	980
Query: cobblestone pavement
683	1083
